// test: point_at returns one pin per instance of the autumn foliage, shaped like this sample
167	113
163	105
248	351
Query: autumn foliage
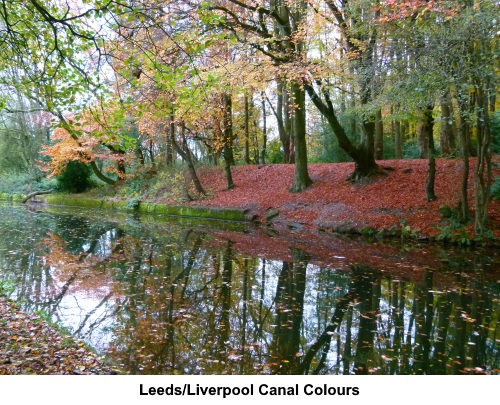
66	149
395	199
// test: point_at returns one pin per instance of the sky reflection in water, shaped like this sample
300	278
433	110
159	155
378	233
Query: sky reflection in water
176	297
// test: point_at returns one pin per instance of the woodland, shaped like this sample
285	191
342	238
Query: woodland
134	98
378	116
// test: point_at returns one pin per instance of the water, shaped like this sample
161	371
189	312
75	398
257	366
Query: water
164	296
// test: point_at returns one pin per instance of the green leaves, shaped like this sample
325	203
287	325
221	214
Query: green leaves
208	16
51	50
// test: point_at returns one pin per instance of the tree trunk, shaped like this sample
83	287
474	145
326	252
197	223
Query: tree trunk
379	135
463	209
447	141
363	156
151	153
405	129
483	170
169	153
428	128
472	108
264	132
423	137
247	131
396	133
282	117
398	140
288	125
100	174
284	135
228	139
254	132
302	179
186	156
35	193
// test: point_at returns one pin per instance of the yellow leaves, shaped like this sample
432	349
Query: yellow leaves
151	125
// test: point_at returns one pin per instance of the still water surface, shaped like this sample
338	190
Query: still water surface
164	296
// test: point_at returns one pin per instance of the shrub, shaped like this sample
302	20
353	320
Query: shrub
15	183
411	149
46	184
75	178
495	131
274	152
495	189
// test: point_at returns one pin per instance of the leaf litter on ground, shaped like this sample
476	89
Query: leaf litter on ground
396	198
31	345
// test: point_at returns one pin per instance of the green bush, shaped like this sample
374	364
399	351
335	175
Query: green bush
274	151
46	184
24	183
495	189
411	149
75	178
15	183
495	132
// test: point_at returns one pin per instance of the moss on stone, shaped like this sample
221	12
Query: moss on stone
194	212
271	213
225	214
73	201
11	197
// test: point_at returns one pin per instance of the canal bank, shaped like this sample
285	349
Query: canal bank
30	344
393	204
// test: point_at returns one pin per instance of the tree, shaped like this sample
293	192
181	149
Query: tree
54	49
354	21
284	46
24	127
454	44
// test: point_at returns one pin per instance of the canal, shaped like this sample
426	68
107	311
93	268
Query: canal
160	295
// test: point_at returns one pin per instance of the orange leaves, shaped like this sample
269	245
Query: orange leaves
98	133
66	149
400	10
152	126
82	271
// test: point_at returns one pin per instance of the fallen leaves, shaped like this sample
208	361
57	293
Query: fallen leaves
29	345
396	199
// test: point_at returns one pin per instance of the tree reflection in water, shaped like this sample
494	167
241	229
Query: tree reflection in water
170	299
